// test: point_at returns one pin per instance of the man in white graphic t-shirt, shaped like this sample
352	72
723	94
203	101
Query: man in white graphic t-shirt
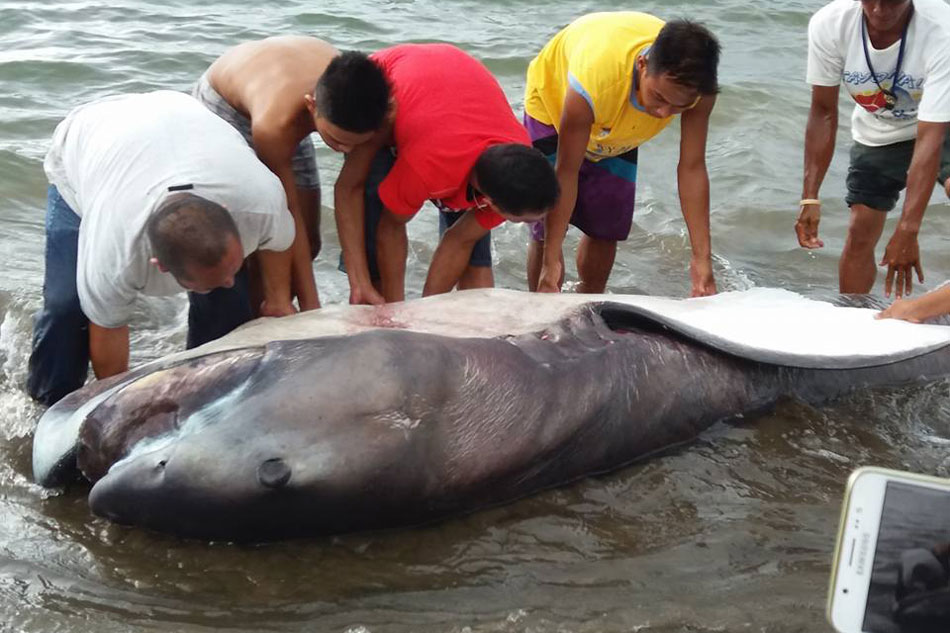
893	56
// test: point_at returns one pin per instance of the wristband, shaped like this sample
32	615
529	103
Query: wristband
807	201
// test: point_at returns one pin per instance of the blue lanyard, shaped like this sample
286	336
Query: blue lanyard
890	99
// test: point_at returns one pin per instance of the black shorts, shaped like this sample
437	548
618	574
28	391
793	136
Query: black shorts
877	175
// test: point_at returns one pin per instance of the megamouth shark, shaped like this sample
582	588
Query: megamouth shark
359	417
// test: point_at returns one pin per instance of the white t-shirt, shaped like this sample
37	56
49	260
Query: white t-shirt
113	161
836	54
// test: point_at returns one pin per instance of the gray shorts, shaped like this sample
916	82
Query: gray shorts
305	158
877	175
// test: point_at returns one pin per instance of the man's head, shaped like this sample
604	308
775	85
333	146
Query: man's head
680	67
350	101
518	182
886	15
196	241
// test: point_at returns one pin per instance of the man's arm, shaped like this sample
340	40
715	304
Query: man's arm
392	248
452	255
819	148
275	269
902	255
933	304
350	216
108	350
276	151
693	183
576	121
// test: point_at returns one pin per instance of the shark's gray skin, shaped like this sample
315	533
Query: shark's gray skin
389	428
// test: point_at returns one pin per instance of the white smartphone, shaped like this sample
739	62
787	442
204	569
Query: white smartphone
891	571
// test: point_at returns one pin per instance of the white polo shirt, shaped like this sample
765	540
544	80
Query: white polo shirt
836	55
113	161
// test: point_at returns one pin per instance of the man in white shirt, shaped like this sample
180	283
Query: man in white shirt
151	194
893	57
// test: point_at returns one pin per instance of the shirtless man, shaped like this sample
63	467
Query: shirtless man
277	92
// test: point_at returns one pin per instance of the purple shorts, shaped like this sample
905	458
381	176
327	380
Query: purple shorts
606	189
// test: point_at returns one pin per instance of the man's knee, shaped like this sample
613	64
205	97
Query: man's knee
864	228
860	241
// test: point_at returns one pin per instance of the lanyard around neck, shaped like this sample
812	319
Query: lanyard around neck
890	99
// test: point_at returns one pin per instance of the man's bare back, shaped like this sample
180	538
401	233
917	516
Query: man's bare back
268	91
267	79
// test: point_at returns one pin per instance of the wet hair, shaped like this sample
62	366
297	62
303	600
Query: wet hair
519	179
189	231
688	53
353	93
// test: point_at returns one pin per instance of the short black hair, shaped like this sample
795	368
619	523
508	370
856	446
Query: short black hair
689	53
353	93
519	179
190	231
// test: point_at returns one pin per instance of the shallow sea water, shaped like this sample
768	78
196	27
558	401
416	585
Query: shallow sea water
732	532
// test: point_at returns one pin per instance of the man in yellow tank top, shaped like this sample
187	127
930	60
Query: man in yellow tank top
603	86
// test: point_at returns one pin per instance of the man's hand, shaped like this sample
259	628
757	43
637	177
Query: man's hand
277	308
902	257
807	226
550	278
919	309
906	309
701	275
365	295
946	186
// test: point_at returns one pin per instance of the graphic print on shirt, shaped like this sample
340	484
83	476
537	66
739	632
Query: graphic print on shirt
908	91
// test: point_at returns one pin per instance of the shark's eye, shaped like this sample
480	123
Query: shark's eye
273	473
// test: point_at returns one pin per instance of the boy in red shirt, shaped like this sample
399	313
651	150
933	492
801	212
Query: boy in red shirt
454	140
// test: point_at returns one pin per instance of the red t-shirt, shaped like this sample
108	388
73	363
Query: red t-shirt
449	109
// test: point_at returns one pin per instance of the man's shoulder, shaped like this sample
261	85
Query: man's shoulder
136	106
161	101
935	17
279	125
257	192
630	20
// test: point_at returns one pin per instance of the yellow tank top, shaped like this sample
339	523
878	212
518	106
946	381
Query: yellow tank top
596	55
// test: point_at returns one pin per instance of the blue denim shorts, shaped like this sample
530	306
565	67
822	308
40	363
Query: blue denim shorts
481	252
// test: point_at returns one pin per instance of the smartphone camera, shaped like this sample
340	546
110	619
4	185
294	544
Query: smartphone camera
892	561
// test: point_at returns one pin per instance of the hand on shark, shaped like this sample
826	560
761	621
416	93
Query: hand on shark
919	309
367	295
550	278
701	276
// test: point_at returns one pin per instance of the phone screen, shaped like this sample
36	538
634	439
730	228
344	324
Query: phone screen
910	578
